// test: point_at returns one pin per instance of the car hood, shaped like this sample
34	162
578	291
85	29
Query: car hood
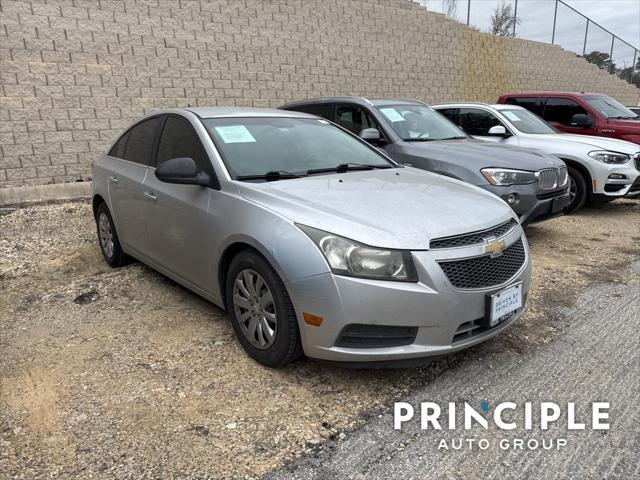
629	125
400	208
599	143
481	154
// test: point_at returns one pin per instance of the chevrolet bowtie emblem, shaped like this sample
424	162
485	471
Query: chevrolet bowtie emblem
494	247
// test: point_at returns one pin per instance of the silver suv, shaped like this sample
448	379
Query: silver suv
534	184
313	240
600	168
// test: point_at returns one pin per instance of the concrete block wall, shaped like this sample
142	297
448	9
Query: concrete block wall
75	72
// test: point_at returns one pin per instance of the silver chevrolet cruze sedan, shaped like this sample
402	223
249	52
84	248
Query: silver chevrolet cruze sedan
314	241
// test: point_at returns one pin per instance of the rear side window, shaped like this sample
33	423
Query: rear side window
451	114
117	150
533	104
140	143
477	122
179	139
562	110
321	109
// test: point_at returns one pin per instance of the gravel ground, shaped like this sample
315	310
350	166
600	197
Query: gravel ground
122	373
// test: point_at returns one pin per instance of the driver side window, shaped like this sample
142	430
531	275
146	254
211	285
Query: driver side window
477	122
179	139
354	118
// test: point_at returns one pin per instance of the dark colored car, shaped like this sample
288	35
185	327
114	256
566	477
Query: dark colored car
533	183
581	113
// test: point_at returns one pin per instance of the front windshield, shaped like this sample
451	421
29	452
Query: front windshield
610	108
527	122
258	145
414	123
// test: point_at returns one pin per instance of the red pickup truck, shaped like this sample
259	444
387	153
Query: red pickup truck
581	113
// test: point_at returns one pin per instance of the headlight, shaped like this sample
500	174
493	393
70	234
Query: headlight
504	176
350	258
605	156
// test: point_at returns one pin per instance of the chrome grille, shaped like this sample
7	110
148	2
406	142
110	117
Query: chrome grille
473	238
549	178
485	271
563	176
637	158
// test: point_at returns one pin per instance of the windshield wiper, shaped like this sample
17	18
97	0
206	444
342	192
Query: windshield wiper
271	175
345	167
452	138
418	139
625	117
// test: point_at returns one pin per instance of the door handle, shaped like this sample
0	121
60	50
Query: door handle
114	179
150	196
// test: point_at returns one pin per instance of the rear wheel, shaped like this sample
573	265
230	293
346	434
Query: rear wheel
108	238
578	192
261	311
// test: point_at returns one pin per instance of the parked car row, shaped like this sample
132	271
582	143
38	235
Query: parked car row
344	229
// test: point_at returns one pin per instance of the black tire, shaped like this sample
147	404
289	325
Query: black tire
286	346
116	258
579	190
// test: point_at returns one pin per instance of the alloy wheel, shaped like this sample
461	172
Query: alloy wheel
106	235
255	309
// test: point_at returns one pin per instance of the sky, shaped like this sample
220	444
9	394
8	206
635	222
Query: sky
622	17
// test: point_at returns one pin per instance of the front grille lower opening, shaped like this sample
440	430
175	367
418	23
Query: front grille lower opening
358	335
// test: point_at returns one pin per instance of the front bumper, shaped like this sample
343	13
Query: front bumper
433	306
533	205
606	186
634	190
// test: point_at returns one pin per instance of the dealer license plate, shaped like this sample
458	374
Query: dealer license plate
505	303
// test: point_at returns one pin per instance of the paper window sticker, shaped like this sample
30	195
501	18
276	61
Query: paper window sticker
392	114
235	134
512	116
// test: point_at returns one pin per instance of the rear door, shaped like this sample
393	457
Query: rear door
177	221
125	183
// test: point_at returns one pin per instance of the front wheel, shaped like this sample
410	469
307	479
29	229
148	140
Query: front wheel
578	192
261	311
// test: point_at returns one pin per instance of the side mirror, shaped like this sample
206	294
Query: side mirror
371	135
498	131
183	171
580	120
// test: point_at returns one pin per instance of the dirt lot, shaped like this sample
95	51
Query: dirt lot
122	373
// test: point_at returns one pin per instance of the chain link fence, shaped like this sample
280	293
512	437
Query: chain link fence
550	21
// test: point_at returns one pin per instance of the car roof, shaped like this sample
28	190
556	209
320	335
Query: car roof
552	94
226	112
495	106
354	99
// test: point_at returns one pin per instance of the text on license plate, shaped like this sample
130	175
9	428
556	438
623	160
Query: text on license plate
505	302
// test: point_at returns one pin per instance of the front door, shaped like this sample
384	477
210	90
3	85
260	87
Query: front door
559	112
177	221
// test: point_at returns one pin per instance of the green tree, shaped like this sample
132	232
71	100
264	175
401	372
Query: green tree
601	60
